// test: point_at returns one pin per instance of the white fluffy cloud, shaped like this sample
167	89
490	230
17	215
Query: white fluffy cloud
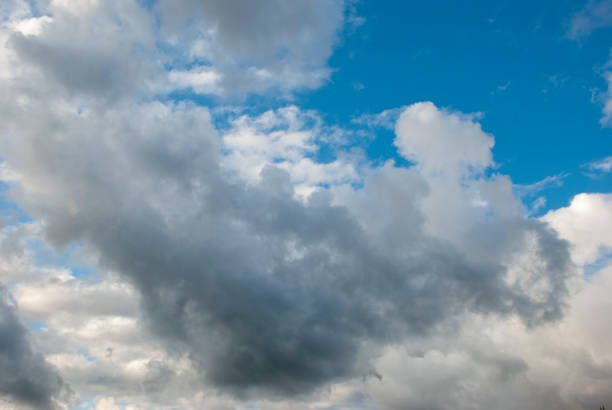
586	224
441	141
289	139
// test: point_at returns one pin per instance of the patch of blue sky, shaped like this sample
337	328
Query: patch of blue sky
148	4
8	208
33	8
85	404
603	261
45	256
512	61
184	62
35	326
377	144
85	353
188	96
10	212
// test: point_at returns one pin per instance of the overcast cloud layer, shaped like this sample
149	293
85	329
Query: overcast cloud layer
230	268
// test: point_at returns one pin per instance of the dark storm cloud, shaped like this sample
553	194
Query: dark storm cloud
25	377
265	293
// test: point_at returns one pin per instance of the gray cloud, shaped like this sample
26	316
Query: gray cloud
101	51
88	52
255	46
266	293
266	31
25	376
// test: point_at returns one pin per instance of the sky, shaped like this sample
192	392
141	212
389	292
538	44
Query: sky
310	205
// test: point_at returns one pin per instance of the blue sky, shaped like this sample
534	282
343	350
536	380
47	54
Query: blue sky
511	61
539	89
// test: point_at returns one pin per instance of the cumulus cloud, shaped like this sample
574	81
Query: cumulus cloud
442	141
85	50
268	44
290	139
26	379
232	263
585	223
566	365
117	48
265	292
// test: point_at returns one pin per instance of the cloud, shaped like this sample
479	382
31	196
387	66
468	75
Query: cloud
117	48
585	223
232	264
552	181
440	140
565	366
385	119
268	294
595	15
83	50
258	45
603	165
25	377
606	97
290	139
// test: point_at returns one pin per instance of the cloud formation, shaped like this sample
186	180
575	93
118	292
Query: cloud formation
119	48
595	15
233	264
246	46
26	379
264	291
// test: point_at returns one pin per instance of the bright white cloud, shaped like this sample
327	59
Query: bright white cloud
585	223
442	141
289	139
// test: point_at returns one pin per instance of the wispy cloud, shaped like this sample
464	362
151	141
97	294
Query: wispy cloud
603	165
595	15
553	181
